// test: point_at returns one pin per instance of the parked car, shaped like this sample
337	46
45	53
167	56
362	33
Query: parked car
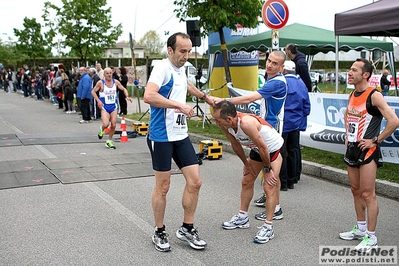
330	78
314	77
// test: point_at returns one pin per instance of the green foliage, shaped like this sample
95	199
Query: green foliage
31	41
214	14
8	54
152	43
85	26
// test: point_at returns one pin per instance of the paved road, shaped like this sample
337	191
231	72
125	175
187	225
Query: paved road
110	222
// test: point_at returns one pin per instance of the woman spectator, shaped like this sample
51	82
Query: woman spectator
75	84
65	77
57	87
69	97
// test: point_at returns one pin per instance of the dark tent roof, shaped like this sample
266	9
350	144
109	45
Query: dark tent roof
309	40
376	19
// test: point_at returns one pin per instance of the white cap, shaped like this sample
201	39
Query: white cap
289	65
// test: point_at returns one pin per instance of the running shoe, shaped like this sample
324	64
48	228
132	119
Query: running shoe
101	133
110	144
264	235
236	222
161	241
278	215
367	244
84	121
191	237
355	233
261	201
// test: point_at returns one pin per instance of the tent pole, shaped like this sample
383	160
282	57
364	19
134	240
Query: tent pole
336	62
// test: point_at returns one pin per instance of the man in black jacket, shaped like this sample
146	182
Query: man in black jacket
301	66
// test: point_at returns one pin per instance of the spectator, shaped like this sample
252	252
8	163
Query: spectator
25	81
100	71
122	98
10	81
69	97
38	86
296	110
57	88
301	66
53	75
94	105
65	77
75	84
84	93
385	83
3	77
28	83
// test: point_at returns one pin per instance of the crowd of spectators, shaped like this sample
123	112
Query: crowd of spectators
58	85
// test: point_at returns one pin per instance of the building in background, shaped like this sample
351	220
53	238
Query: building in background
122	50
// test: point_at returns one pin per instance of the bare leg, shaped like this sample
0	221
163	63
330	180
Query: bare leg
360	204
191	192
162	184
365	195
273	192
247	185
112	119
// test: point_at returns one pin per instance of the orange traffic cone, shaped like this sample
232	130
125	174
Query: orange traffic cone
124	137
123	124
106	131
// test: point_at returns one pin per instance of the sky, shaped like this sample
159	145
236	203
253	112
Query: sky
140	16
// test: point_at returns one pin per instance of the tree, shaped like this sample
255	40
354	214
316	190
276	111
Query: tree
8	55
216	14
152	43
31	41
85	26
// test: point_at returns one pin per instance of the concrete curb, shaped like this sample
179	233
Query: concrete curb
383	188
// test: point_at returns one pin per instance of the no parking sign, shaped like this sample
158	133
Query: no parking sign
275	14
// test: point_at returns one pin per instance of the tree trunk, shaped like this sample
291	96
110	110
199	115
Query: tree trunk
224	54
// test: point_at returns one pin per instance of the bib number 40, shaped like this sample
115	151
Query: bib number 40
181	120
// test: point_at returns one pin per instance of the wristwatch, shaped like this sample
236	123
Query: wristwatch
267	169
375	140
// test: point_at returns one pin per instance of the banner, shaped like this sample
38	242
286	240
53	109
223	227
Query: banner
326	125
374	81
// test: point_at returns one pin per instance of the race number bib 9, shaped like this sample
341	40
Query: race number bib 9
180	122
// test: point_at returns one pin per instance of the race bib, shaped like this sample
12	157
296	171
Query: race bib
180	123
110	98
353	129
